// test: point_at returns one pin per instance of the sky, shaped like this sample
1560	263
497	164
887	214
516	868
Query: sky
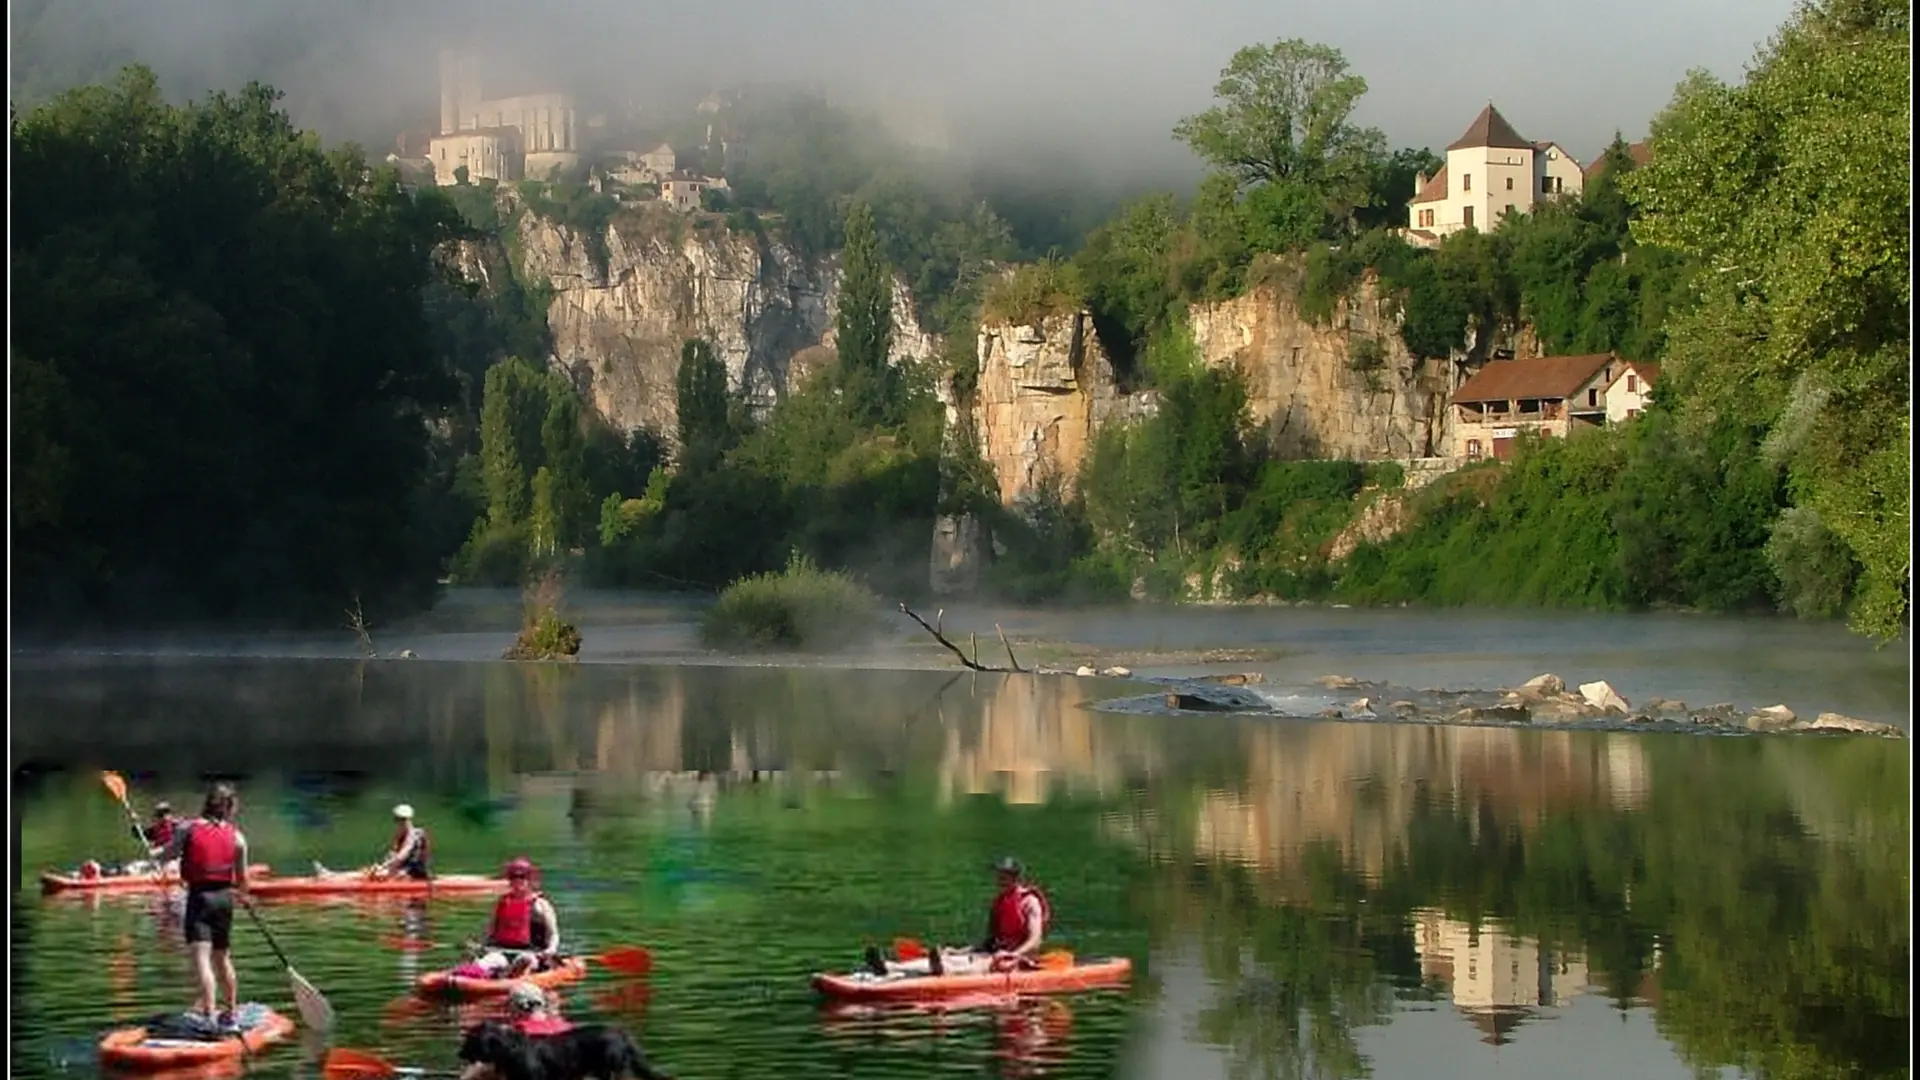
1101	80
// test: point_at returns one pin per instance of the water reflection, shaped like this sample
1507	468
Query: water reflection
1332	884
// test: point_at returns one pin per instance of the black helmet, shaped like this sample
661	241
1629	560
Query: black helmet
1007	865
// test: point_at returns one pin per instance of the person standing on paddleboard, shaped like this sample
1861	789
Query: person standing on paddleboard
213	864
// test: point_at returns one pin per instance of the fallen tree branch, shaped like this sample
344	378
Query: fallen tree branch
973	664
1003	640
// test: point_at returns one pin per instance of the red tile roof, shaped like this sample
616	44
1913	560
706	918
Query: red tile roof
1490	129
1546	377
1639	152
1436	189
1649	372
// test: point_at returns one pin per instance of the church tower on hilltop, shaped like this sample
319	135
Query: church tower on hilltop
459	87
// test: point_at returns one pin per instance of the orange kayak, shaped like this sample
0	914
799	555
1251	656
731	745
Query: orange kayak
134	1049
338	884
53	882
1084	975
447	984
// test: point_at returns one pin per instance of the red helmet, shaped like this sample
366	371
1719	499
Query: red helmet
520	867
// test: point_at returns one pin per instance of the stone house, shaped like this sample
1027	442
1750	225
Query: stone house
486	154
1627	395
1490	172
682	191
1553	396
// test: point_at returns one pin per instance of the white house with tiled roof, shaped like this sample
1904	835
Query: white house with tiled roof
1491	171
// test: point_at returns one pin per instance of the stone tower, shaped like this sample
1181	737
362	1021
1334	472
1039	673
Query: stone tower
459	88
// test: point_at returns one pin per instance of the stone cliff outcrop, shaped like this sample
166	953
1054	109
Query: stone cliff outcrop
1042	393
1346	390
618	323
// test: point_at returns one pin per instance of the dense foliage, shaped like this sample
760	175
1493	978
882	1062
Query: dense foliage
220	365
801	607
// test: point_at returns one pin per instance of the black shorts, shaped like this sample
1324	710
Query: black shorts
209	916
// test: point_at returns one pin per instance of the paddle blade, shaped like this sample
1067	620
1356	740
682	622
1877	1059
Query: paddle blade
116	784
1056	960
315	1011
343	1063
908	949
631	960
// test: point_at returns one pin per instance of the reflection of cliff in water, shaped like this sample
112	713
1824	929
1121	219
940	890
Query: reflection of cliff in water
1359	786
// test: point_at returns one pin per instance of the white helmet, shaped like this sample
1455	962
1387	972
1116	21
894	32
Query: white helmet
403	812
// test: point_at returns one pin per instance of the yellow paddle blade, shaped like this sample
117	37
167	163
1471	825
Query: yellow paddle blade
315	1011
116	784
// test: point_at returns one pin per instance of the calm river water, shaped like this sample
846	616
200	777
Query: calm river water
1300	898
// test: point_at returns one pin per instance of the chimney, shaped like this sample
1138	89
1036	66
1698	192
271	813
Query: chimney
1419	182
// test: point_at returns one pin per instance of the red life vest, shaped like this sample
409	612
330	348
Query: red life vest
543	1025
1008	925
212	853
160	833
514	924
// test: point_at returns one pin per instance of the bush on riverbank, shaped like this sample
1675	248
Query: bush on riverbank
801	607
544	634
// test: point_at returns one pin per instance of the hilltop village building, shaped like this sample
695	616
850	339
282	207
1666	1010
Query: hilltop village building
1491	171
1553	396
516	138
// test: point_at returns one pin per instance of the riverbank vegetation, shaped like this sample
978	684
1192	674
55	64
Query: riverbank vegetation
184	446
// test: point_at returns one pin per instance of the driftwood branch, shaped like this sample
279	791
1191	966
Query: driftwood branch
974	664
357	622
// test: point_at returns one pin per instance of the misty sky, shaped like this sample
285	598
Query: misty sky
1100	78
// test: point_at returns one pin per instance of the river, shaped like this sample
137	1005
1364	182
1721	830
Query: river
1300	898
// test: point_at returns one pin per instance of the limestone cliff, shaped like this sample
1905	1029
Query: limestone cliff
1345	390
1042	392
624	303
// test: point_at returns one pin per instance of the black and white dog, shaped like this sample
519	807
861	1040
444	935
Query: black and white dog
587	1052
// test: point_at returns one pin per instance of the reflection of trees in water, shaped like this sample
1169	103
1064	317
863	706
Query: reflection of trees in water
1761	945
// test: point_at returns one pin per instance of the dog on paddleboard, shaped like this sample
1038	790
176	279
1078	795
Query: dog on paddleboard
587	1052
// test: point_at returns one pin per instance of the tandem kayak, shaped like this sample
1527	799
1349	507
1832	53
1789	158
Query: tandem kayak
54	881
152	1048
449	984
1081	975
339	884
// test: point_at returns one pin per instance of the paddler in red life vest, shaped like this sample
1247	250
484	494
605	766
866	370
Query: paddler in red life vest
213	864
524	935
1016	925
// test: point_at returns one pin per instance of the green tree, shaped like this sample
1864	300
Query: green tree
230	366
863	324
702	406
512	413
1779	188
1286	115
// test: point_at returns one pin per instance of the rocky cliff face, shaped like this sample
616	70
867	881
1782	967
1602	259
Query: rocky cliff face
618	325
1042	393
1346	390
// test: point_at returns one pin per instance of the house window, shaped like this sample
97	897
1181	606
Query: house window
1473	448
1466	181
1593	398
1546	185
1466	216
1509	183
1426	219
1631	386
1631	413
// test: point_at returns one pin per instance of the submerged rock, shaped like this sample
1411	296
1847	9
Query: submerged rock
1337	682
1084	671
1602	695
1117	672
1492	714
1196	703
1771	718
1248	679
1828	721
1543	686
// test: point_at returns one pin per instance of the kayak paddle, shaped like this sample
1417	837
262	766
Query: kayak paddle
344	1063
315	1012
909	949
627	960
117	787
